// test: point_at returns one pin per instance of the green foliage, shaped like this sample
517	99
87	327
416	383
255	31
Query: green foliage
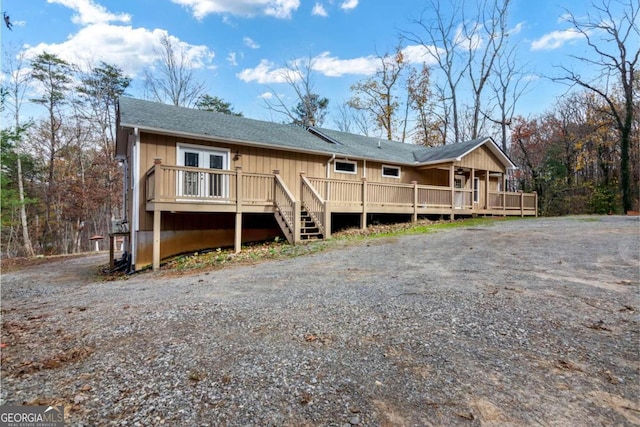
604	200
103	85
55	75
9	197
213	103
311	110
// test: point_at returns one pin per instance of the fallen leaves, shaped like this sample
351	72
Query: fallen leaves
317	338
599	326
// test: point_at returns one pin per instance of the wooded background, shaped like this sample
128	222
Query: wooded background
61	184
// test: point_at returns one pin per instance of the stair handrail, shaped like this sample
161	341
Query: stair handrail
285	202
313	203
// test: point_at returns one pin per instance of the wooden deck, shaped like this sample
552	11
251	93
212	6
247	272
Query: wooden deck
185	189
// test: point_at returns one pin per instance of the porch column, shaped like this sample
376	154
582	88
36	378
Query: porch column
473	189
504	194
156	239
414	217
487	204
363	218
453	190
237	241
158	191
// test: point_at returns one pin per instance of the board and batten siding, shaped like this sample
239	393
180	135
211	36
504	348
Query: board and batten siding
481	159
251	159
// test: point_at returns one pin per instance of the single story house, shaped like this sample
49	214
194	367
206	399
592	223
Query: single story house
196	179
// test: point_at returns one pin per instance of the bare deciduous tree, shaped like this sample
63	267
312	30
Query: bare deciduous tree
377	94
172	79
612	35
310	108
466	51
441	41
508	85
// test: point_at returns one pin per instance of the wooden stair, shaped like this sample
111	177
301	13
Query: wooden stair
309	230
286	230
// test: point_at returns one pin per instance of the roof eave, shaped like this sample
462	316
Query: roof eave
226	140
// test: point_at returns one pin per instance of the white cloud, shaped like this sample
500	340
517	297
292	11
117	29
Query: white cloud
265	73
420	54
277	8
319	10
248	41
266	95
129	48
349	4
89	12
332	66
470	41
516	30
564	18
556	39
231	58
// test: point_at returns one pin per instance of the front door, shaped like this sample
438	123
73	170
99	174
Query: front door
207	183
459	183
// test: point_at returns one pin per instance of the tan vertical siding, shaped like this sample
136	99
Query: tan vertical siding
483	159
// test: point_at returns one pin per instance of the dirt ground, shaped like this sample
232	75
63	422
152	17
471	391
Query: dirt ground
523	322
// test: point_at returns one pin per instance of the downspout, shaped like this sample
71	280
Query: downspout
135	201
333	157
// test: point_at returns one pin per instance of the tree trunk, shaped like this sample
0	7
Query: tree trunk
28	249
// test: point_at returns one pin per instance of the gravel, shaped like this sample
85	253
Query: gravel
518	322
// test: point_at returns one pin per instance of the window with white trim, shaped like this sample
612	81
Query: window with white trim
345	166
390	171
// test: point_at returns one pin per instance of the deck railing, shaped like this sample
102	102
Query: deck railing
512	201
434	197
383	194
166	183
288	207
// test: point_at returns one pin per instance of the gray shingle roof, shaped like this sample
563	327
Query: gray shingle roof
187	121
446	152
154	116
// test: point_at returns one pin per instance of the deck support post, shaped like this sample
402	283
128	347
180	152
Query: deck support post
156	239
297	222
237	238
327	219
363	218
111	249
158	193
414	217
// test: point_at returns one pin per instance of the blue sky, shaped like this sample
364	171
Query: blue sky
237	46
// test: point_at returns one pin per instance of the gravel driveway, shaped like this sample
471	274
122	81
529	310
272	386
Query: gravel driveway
524	322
